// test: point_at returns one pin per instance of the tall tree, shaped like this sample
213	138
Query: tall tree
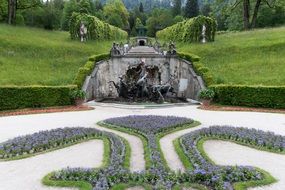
14	5
116	13
141	8
176	9
247	22
191	9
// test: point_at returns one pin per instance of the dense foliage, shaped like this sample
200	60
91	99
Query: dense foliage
190	30
34	96
252	96
96	29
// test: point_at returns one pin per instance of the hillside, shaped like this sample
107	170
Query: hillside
255	57
31	56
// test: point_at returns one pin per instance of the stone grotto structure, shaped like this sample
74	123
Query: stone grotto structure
138	66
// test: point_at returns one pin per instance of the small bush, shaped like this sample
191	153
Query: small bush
207	94
34	97
77	94
251	96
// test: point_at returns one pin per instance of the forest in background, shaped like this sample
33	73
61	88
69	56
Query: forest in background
152	14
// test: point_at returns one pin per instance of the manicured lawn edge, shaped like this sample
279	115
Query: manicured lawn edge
82	185
184	159
124	186
172	130
131	132
196	186
268	178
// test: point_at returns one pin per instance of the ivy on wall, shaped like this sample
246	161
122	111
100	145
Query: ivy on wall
190	30
96	29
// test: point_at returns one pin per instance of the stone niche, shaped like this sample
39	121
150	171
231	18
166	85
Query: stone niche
163	69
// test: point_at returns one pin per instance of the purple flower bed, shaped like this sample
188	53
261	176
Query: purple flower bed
148	124
222	177
157	175
44	140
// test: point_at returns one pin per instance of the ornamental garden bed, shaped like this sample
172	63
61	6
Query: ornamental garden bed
115	174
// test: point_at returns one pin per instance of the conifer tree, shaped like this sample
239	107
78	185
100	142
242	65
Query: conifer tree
191	9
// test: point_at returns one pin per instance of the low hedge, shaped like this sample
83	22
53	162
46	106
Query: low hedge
13	97
251	96
87	69
201	70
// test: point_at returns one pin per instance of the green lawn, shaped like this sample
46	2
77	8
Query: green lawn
254	58
30	56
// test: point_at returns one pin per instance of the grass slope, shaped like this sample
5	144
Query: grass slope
253	58
30	56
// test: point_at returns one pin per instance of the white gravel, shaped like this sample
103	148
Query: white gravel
227	153
27	174
20	125
168	149
137	162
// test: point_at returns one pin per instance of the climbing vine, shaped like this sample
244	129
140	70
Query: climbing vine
96	29
190	30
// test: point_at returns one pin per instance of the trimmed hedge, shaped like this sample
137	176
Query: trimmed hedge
96	29
251	96
190	30
201	70
87	69
14	97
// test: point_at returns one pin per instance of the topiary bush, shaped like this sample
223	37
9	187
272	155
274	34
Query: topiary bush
251	96
190	30
96	29
34	97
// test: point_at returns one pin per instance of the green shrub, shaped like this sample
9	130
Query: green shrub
96	29
251	96
207	94
188	56
77	94
190	30
34	97
87	69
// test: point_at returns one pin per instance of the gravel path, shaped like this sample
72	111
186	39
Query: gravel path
27	174
21	125
168	149
227	153
137	162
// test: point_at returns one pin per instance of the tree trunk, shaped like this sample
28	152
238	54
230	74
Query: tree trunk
254	17
12	6
246	7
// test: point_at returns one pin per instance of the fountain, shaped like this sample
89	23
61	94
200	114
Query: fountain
143	74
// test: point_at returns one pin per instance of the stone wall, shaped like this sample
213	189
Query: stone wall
186	82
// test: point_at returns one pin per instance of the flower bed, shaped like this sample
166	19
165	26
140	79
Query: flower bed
157	175
221	177
148	124
45	140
